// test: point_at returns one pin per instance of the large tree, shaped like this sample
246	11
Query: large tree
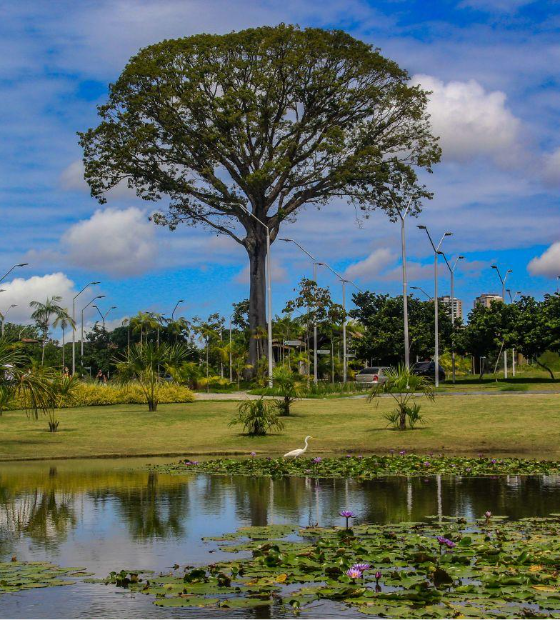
264	121
382	317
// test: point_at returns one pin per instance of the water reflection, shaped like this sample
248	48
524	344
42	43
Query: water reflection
106	516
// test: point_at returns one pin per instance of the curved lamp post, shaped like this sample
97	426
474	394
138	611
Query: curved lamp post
436	249
452	272
82	340
74	325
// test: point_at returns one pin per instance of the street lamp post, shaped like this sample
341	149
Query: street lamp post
4	317
344	281
269	292
512	300
419	288
11	269
503	280
315	264
74	326
452	272
175	308
436	304
82	339
230	352
402	216
103	316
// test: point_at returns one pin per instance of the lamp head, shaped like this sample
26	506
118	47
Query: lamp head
181	301
421	227
460	258
22	264
92	283
494	266
284	239
99	297
448	234
509	271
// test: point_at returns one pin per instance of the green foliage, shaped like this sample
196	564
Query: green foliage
86	394
20	381
285	383
258	417
308	389
382	318
369	467
438	568
187	373
404	387
16	576
144	363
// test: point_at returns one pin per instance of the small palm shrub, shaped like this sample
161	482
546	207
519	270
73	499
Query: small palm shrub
285	383
404	387
258	417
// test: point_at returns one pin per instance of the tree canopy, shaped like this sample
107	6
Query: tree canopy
261	121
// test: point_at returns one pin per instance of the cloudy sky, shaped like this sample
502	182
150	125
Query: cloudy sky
493	67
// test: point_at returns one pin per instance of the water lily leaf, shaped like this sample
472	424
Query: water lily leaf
193	601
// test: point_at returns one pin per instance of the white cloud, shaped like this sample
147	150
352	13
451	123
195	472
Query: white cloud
551	168
414	271
472	122
370	267
72	177
117	242
21	291
548	264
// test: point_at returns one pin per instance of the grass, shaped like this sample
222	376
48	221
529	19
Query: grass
521	424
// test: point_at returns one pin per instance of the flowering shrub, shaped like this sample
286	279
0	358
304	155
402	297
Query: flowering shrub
90	395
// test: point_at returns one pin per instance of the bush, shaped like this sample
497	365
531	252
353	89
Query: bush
214	382
258	417
284	381
91	395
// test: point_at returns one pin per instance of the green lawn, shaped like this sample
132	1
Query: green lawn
505	423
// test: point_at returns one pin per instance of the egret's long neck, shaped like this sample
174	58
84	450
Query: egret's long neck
305	444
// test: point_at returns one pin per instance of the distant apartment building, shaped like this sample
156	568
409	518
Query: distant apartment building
457	305
486	299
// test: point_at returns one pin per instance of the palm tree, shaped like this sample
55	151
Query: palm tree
142	363
404	387
33	387
64	320
42	317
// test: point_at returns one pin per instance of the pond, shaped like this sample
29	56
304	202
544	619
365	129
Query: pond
110	515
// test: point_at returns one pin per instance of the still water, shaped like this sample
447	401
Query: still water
110	515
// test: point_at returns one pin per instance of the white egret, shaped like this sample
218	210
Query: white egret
295	453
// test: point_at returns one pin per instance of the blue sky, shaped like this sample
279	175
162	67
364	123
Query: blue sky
493	67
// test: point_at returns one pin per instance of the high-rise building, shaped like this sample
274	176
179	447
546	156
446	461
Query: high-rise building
457	305
486	299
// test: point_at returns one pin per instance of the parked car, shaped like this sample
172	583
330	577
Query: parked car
428	369
372	375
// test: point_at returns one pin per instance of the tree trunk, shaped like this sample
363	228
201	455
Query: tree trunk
546	368
256	249
402	419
